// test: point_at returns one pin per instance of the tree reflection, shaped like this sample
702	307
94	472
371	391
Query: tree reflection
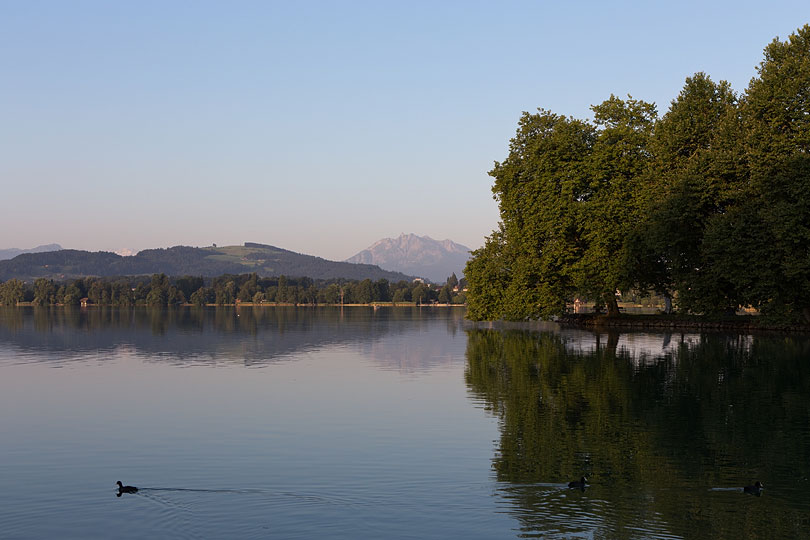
251	335
653	435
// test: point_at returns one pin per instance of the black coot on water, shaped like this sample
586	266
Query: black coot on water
125	489
578	483
755	489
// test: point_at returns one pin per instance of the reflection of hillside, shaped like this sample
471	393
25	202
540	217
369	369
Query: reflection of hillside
251	335
655	423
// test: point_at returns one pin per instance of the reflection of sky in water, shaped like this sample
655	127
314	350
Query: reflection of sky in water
644	348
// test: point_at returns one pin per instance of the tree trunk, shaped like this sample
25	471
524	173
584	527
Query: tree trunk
612	305
806	313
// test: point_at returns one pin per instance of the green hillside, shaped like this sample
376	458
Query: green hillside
262	259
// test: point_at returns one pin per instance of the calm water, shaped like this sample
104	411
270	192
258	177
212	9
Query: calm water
393	423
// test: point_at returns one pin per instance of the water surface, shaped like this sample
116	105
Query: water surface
393	423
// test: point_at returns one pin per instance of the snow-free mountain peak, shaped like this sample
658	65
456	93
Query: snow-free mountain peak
420	255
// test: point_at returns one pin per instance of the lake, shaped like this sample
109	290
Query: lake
395	423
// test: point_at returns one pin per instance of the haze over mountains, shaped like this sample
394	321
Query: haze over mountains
416	255
10	253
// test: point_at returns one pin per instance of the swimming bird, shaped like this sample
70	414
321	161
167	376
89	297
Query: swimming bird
125	489
578	483
756	489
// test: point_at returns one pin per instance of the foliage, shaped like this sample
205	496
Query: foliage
706	204
488	272
775	115
567	196
162	290
11	292
694	172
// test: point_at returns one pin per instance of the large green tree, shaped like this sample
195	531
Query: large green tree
694	172
761	245
611	205
527	266
44	292
567	199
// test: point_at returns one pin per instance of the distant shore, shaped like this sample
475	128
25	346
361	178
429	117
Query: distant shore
252	304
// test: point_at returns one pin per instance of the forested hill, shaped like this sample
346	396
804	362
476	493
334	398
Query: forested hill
182	260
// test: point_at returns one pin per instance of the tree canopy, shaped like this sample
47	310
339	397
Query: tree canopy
163	290
706	204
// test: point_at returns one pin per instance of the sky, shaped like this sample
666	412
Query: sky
319	127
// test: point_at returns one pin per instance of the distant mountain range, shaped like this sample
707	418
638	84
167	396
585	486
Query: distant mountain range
263	259
416	255
10	253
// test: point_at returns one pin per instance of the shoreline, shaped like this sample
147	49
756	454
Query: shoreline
244	304
737	323
588	321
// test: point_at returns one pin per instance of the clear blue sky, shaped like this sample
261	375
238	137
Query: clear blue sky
319	127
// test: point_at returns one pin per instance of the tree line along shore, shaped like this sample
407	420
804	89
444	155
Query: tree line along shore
706	205
229	289
249	290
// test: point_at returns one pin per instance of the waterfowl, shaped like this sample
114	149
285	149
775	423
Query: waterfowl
578	483
755	489
126	489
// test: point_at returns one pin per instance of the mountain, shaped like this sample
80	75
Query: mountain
417	255
263	259
10	253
